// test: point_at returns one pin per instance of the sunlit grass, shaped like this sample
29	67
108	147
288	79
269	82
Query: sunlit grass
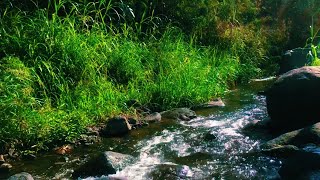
59	77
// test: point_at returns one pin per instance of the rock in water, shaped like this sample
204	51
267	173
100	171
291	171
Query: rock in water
21	176
183	114
174	171
293	101
281	151
117	126
303	165
105	163
209	136
154	117
215	103
298	137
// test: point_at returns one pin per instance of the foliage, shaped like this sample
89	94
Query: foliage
69	64
59	77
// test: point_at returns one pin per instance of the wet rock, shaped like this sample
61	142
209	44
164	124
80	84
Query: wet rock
154	117
21	176
281	151
103	164
184	114
298	137
257	127
5	167
293	101
303	165
194	159
116	126
173	171
209	136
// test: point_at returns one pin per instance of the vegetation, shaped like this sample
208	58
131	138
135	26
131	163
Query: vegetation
70	64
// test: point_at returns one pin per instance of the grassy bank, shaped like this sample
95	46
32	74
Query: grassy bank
60	74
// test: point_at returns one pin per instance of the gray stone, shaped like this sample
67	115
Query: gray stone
281	151
184	114
116	126
154	117
297	138
103	164
293	101
256	125
21	176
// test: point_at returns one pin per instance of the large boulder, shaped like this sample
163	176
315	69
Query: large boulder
184	114
293	101
116	126
295	58
103	164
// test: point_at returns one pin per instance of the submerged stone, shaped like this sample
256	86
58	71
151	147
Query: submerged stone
209	136
103	164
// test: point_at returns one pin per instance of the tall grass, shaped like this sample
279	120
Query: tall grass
61	74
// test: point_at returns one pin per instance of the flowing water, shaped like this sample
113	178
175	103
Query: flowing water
179	150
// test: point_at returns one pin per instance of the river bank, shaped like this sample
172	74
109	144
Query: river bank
178	142
58	79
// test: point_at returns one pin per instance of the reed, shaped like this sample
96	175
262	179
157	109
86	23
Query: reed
61	73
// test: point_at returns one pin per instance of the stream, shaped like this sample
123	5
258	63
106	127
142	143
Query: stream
181	146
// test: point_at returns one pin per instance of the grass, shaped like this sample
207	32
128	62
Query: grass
59	74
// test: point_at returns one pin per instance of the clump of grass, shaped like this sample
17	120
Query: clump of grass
59	75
